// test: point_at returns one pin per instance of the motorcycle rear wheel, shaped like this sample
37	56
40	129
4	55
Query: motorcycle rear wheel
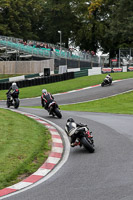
16	103
86	143
58	113
102	84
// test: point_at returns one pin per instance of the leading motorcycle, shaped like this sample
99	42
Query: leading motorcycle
106	82
53	109
12	101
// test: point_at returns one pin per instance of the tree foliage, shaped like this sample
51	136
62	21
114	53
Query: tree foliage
57	16
19	18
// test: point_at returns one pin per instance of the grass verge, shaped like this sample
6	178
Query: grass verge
3	76
121	104
24	146
65	86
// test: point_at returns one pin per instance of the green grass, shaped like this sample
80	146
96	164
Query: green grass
22	149
3	76
121	104
67	85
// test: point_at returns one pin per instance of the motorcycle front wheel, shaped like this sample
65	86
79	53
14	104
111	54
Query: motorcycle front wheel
8	104
58	113
87	144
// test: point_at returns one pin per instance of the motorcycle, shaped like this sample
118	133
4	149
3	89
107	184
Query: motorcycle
53	109
106	82
84	138
12	101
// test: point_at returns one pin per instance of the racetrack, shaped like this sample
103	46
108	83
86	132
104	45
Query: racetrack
105	175
86	94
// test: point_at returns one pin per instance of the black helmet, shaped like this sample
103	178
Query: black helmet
70	120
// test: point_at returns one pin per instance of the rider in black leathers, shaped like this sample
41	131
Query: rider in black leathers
71	127
46	99
13	91
108	78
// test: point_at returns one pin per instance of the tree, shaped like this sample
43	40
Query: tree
20	18
118	26
94	30
89	26
57	16
122	25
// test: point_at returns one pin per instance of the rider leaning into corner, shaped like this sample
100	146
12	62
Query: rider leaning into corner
46	99
71	128
108	78
13	90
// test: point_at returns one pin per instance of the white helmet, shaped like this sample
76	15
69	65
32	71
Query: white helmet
14	84
44	91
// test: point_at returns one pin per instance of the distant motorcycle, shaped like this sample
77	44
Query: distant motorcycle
53	109
106	82
84	138
12	101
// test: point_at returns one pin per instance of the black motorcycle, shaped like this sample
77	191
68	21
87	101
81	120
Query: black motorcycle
85	139
106	82
53	109
12	101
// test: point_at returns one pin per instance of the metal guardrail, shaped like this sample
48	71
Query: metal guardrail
81	73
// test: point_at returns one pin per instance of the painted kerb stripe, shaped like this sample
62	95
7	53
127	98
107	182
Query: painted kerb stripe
54	158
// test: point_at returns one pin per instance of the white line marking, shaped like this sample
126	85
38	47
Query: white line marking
20	185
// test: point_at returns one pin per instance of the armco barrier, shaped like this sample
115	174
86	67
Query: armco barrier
39	81
81	73
4	80
31	75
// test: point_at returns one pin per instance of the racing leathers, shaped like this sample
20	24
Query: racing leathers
13	91
108	79
71	128
46	99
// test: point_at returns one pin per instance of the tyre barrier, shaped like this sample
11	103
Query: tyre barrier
39	81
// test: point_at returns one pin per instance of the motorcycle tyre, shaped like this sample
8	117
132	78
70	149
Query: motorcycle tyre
16	103
58	113
102	84
87	144
110	83
8	104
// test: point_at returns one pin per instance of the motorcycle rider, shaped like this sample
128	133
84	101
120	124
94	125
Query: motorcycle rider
13	90
71	128
108	78
46	99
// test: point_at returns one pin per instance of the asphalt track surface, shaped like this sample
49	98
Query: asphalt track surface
106	174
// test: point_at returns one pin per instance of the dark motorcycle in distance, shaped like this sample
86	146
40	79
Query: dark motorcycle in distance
85	139
106	82
53	109
12	101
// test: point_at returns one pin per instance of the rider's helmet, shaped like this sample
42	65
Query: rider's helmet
70	120
44	91
14	84
108	76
